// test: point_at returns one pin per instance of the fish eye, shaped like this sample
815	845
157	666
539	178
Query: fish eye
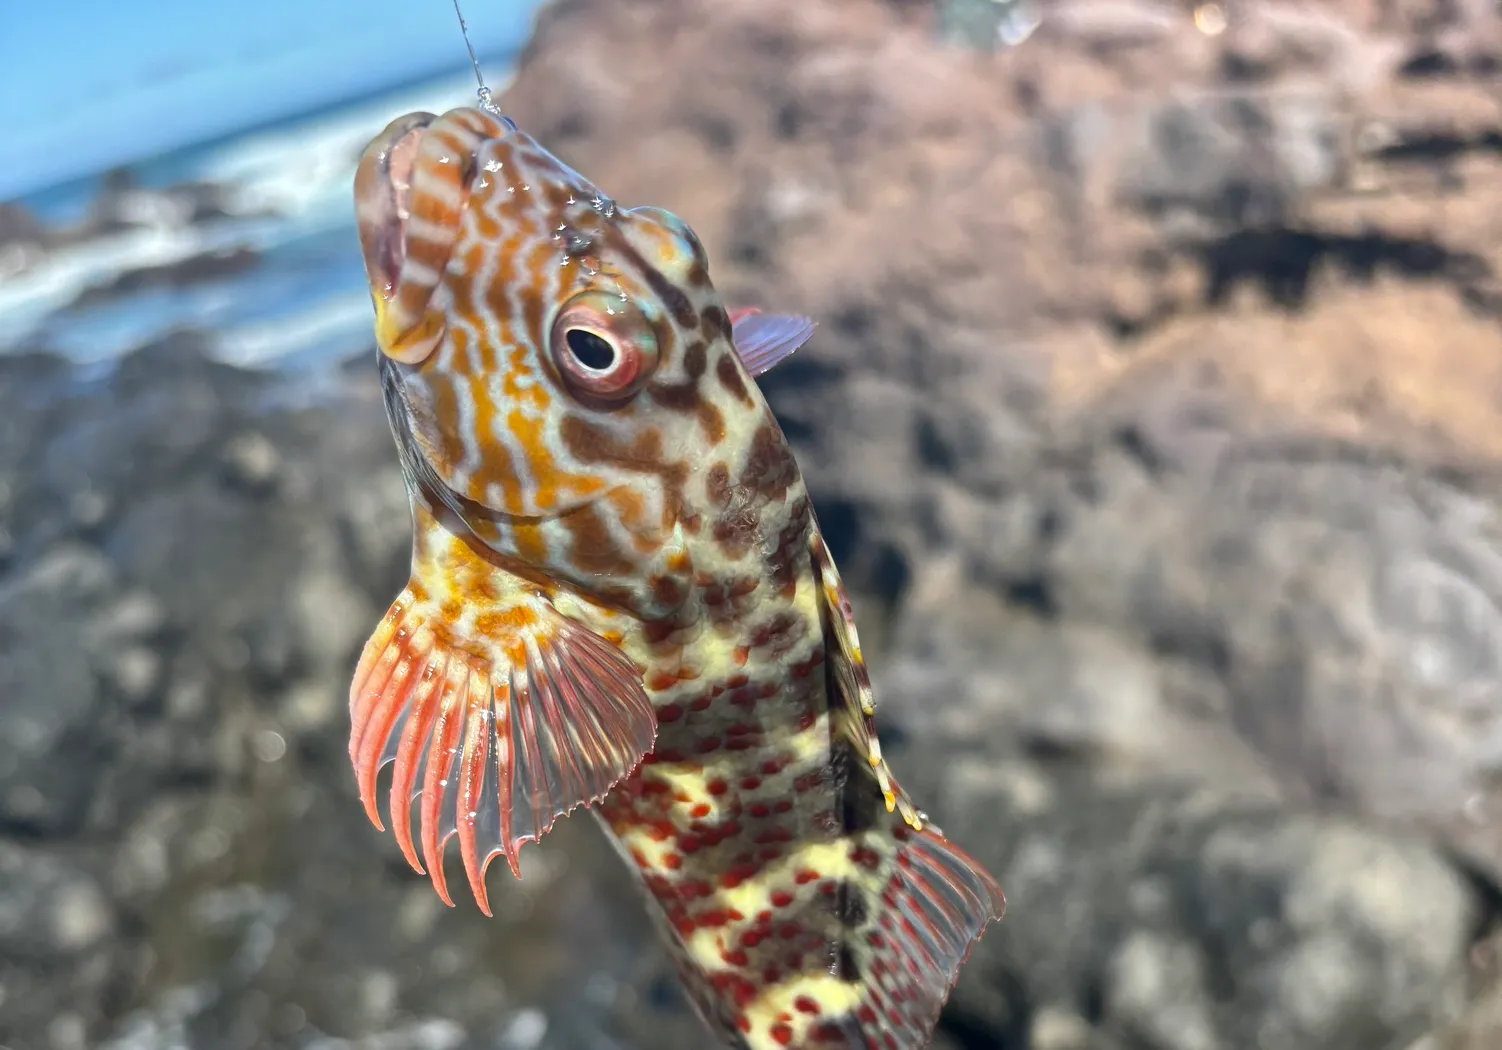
594	352
602	346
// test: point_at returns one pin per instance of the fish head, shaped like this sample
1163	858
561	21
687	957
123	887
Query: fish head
556	366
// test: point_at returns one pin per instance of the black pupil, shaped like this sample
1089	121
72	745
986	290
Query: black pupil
590	350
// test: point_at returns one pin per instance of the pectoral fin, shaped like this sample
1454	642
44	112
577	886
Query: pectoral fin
499	720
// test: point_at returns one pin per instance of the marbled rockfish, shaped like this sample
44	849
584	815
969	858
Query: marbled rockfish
620	598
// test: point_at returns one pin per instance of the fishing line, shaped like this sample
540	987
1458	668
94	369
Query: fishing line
486	102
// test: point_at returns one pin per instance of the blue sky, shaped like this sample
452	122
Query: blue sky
90	83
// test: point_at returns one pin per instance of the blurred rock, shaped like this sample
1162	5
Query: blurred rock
1185	918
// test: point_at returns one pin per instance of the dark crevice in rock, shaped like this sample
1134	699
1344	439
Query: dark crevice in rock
1283	260
1433	147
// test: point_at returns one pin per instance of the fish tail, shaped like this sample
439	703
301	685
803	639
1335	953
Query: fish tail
910	908
856	946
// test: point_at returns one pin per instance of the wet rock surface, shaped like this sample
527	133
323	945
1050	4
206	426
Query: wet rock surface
1153	416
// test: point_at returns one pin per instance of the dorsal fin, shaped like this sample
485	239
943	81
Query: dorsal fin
913	904
763	341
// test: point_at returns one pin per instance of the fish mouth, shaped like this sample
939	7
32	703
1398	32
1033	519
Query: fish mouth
383	198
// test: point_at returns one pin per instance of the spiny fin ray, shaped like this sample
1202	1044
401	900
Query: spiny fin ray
940	902
855	706
935	905
764	341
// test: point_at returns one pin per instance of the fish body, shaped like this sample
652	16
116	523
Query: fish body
620	598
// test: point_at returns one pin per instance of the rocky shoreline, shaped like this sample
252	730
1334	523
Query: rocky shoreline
1153	415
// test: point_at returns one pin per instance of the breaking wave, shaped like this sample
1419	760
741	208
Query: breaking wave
275	277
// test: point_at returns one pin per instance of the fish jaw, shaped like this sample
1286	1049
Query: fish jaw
412	186
500	712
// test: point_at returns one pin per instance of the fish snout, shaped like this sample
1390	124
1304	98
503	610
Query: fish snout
412	186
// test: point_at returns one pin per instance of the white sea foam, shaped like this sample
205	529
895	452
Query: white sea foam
300	172
340	324
28	301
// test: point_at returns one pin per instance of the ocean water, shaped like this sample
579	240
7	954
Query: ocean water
301	305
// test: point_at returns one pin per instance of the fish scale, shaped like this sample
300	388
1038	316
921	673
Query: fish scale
620	598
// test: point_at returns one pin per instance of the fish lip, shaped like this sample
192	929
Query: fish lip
382	192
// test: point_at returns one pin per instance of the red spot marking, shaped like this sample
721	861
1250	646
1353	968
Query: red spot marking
804	1005
806	720
771	975
700	703
638	856
804	877
789	931
718	787
672	861
781	898
808	781
701	810
739	656
735	958
771	768
653	787
714	918
736	681
774	835
707	745
866	1015
828	888
750	939
688	844
669	713
750	783
658	831
684	924
769	854
669	755
783	807
739	744
758	809
743	1023
900	833
782	1034
660	680
865	857
658	631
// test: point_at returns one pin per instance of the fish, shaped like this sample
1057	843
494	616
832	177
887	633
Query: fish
620	599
